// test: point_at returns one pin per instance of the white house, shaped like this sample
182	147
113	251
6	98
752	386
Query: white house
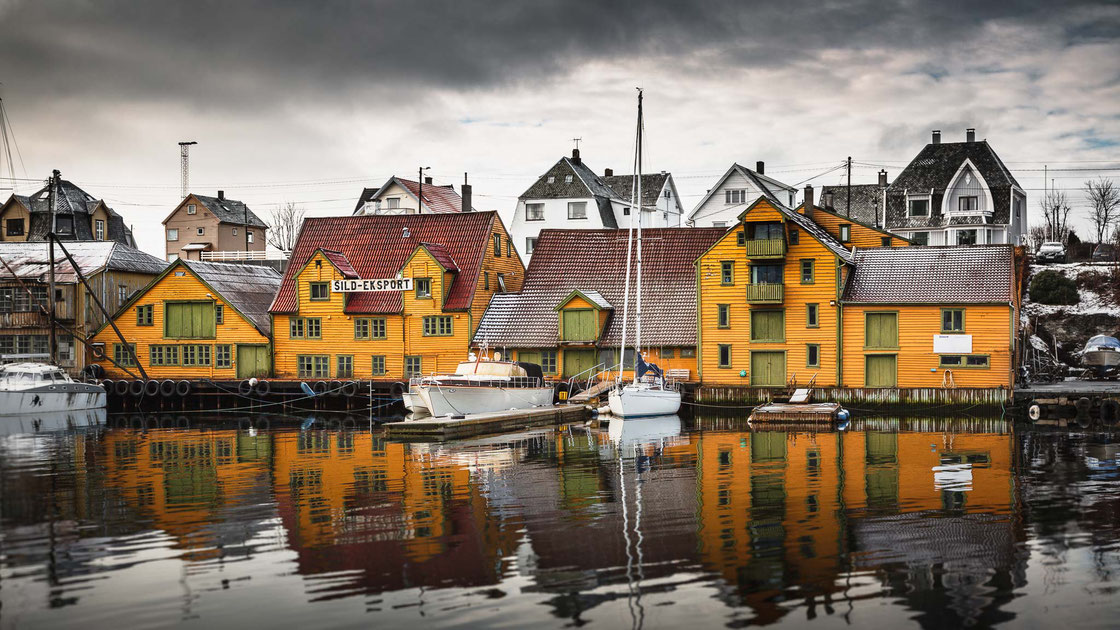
399	196
571	196
735	190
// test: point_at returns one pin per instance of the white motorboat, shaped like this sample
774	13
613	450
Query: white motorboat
55	421
479	386
1101	351
36	388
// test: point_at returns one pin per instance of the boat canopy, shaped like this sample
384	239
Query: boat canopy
1102	342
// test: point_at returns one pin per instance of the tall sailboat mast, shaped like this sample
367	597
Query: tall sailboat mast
629	256
638	210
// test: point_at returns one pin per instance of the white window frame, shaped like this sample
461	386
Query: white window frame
200	231
192	209
249	237
910	199
99	229
530	244
172	235
393	203
734	196
572	205
567	179
529	214
235	231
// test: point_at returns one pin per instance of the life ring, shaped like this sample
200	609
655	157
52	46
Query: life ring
182	388
167	388
244	387
1110	412
1034	411
319	387
121	387
151	388
350	389
336	388
398	389
98	353
136	388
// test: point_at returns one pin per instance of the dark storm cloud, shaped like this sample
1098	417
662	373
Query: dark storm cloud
222	54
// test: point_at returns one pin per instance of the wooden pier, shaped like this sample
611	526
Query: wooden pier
800	413
444	428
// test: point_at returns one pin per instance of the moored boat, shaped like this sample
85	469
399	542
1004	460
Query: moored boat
479	386
1101	353
31	388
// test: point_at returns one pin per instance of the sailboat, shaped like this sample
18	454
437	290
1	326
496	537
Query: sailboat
644	396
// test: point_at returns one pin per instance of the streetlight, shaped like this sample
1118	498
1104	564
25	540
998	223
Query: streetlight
420	196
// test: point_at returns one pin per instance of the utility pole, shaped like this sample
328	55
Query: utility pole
849	186
420	195
51	199
185	166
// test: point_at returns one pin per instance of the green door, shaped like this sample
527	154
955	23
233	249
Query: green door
580	325
881	330
768	369
882	370
252	360
189	320
576	361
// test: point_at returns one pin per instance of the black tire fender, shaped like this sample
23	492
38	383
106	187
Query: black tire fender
183	388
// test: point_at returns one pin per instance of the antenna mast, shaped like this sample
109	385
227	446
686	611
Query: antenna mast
185	166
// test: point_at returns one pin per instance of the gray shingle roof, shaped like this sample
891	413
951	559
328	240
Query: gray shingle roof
980	274
585	183
247	288
867	202
79	204
622	185
231	211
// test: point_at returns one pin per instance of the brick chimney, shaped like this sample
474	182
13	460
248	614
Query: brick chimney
575	157
760	167
937	136
467	194
883	178
809	201
970	135
608	172
221	194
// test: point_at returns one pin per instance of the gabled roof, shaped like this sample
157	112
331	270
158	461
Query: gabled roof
867	202
585	183
30	260
936	164
623	187
528	319
438	198
228	211
810	226
441	256
339	261
593	297
375	247
768	186
980	274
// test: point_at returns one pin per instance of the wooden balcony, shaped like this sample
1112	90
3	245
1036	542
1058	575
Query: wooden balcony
766	248
765	293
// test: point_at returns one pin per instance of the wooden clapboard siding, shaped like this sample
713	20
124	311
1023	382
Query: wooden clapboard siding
990	327
862	235
511	267
172	288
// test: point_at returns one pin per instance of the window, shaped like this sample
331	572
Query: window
885	241
688	353
200	231
122	294
724	315
548	361
667	353
377	365
845	233
486	279
567	179
740	238
295	328
305	328
163	355
15	227
501	283
64	224
313	366
964	361
172	234
65	348
369	328
99	229
968	204
424	288
498	245
724	355
880	330
345	366
196	355
807	271
438	326
812	316
235	231
919	207
122	356
727	272
794	236
320	292
534	212
413	365
920	238
188	320
812	355
766	274
223	356
577	209
530	245
191	209
509	248
219	314
144	315
952	320
719	224
966	237
732	197
552	179
249	236
393	203
771	230
768	326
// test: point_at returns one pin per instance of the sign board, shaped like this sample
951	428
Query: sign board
952	344
384	284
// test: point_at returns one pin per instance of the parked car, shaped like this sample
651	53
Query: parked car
1051	252
1104	253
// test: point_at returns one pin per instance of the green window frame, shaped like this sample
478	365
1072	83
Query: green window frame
813	355
724	355
727	272
724	314
964	361
768	325
189	319
313	366
344	366
377	365
413	365
305	328
486	280
361	328
369	328
145	315
880	330
807	271
219	314
741	238
159	355
845	233
423	288
812	315
549	362
196	355
295	328
319	291
223	355
497	245
952	321
439	326
122	356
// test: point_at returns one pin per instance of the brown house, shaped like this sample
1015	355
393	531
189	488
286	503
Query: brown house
214	224
78	217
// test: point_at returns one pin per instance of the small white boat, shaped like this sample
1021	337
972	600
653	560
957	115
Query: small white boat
641	399
35	388
1101	351
479	386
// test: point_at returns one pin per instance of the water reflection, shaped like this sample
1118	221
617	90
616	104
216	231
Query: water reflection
650	522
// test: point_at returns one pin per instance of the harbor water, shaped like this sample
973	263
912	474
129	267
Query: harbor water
147	522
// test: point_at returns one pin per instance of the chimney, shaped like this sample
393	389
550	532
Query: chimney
575	157
760	167
809	201
970	135
428	180
883	178
221	194
608	172
467	194
937	136
826	200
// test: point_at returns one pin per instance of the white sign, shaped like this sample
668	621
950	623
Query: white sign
385	284
952	344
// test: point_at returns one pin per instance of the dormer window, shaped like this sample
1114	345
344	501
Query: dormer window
968	204
64	224
919	208
551	179
567	179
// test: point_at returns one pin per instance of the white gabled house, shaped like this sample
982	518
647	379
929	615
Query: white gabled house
735	190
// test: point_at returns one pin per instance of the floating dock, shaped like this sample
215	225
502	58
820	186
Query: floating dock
796	413
445	427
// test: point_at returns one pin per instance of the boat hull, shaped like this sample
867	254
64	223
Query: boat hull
634	402
1101	358
52	399
446	401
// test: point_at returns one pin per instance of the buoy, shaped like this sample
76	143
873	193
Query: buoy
605	409
307	389
1034	411
253	382
843	415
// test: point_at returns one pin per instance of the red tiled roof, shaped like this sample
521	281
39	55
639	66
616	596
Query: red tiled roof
595	260
375	247
439	252
339	260
436	198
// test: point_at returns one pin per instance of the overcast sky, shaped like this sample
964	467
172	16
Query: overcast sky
309	101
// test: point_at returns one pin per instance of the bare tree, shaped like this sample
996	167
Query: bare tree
286	223
1104	205
1037	235
1055	210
